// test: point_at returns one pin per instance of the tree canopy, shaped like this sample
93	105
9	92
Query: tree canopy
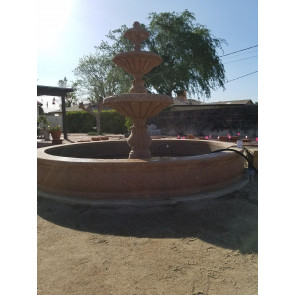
99	77
189	53
71	98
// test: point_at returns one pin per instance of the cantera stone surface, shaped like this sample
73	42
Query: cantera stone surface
89	171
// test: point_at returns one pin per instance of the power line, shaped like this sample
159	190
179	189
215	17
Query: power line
241	77
239	59
238	51
243	53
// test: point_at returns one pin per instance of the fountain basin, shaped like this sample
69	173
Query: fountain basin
99	171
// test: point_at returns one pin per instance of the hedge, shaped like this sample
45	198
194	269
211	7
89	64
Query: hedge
80	122
112	122
83	122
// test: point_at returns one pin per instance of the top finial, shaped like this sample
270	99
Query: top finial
136	35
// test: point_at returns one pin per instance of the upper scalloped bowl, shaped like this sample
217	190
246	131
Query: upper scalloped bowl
137	62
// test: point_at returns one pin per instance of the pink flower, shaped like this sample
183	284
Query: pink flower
210	136
206	137
238	133
257	139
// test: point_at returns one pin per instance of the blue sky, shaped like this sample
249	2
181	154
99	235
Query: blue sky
69	29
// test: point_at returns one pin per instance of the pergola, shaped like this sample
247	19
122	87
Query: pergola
57	91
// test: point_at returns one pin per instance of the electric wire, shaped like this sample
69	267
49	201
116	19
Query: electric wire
238	51
239	59
236	55
235	61
241	77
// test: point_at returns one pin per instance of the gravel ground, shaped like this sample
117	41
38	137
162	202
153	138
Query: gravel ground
207	247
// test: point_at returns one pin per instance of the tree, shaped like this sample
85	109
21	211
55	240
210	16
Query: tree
71	98
99	77
189	53
96	100
63	82
190	60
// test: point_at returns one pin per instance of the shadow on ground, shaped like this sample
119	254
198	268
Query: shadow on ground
228	222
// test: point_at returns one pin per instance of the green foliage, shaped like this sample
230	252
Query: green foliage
71	98
92	133
99	77
55	128
63	82
41	111
43	120
83	122
188	49
44	124
112	122
80	121
128	123
190	61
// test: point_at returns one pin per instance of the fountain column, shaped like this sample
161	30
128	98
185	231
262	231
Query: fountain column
138	104
139	140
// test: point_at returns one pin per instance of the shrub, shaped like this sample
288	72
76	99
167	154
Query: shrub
83	122
92	133
112	122
80	122
128	123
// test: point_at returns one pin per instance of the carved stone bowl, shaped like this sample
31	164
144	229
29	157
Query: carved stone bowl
138	105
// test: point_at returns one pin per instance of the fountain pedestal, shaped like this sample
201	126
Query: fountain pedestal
139	140
139	107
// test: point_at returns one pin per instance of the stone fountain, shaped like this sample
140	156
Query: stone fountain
138	104
101	172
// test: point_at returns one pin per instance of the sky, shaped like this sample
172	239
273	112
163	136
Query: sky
69	29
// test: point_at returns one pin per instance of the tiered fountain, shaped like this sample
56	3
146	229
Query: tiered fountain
102	172
138	104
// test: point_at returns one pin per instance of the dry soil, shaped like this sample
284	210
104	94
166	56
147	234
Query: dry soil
204	247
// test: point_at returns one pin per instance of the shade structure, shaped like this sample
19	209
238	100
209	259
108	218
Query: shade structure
57	91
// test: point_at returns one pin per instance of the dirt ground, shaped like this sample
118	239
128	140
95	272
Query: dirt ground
205	247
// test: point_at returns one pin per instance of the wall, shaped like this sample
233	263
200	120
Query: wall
218	120
54	120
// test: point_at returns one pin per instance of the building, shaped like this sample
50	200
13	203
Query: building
180	104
